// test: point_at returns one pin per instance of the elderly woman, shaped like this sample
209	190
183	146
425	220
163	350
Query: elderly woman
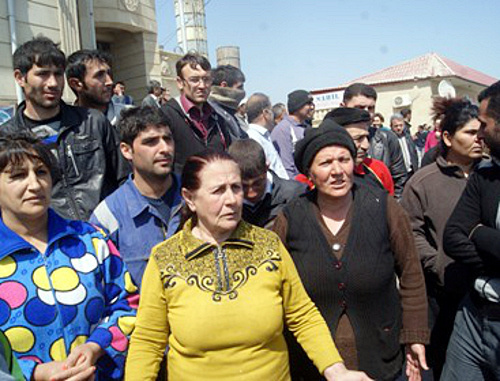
429	198
67	302
219	291
351	244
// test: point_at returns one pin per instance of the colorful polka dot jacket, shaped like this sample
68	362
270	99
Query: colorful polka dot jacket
78	291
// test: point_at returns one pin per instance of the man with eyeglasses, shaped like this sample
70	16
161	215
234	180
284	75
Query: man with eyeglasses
194	124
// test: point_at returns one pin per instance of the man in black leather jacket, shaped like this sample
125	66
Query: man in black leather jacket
384	145
84	144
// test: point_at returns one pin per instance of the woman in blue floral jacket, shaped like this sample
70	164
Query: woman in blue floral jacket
67	301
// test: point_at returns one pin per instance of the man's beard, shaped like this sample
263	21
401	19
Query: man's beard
493	145
94	100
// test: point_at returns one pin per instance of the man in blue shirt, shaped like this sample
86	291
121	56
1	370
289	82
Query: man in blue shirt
145	210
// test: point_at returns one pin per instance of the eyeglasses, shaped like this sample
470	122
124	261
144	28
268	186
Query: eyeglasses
197	80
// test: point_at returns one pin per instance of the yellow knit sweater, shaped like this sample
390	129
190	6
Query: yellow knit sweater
221	309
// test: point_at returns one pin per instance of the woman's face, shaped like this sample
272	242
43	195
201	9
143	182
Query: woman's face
465	142
25	190
218	201
332	171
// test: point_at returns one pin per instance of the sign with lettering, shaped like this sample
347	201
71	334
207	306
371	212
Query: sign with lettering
328	100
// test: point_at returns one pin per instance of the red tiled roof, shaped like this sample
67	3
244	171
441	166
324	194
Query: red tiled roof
430	65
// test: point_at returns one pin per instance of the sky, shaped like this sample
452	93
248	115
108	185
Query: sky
291	44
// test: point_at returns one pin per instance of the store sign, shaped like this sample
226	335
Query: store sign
328	100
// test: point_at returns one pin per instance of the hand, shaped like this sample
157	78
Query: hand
338	372
57	370
80	372
87	353
415	361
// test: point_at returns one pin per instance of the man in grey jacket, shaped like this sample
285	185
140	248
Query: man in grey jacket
154	92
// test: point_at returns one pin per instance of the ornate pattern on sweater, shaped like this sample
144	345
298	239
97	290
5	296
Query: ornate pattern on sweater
218	270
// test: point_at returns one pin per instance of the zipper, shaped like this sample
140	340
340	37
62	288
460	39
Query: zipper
73	161
68	189
221	268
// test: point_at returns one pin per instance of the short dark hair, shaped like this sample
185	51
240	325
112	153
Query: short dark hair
227	73
17	147
256	104
40	51
454	113
193	60
493	94
76	67
359	89
250	157
153	85
381	117
119	83
134	120
405	112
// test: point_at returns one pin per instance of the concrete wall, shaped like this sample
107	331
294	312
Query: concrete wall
136	60
420	93
129	26
129	15
168	72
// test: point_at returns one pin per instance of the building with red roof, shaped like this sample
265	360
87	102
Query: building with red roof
411	84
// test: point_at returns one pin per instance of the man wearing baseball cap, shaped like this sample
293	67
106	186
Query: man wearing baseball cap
291	128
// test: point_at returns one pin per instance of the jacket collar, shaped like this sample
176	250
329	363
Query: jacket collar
69	115
137	204
58	227
260	129
293	122
241	237
450	169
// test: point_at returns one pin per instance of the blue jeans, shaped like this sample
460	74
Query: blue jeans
474	348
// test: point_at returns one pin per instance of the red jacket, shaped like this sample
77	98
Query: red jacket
369	167
379	170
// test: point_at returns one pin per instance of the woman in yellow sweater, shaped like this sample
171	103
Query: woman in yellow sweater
219	292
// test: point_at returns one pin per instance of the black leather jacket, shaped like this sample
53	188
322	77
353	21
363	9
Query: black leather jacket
384	146
232	124
90	164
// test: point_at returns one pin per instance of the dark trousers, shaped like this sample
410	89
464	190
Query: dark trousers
442	311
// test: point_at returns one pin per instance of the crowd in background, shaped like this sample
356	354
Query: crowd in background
217	236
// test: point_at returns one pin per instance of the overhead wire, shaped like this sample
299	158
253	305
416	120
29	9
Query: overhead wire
173	34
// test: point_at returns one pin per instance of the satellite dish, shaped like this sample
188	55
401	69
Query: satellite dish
446	89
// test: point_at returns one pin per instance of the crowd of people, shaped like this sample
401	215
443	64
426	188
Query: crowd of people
213	236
